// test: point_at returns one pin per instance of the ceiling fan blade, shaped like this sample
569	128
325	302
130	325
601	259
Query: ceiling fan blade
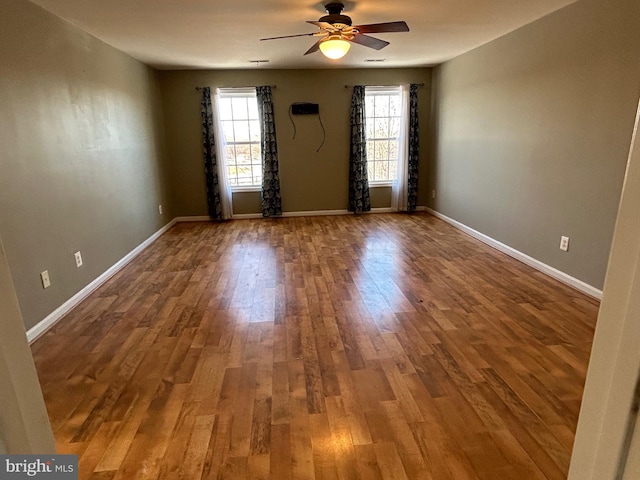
289	36
322	25
370	42
314	48
383	27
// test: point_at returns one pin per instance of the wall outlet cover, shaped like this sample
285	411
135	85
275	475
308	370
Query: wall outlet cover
78	257
44	277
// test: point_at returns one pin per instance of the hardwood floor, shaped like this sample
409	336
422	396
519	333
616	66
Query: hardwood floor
383	346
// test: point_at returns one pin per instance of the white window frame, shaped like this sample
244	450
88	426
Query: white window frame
249	93
385	91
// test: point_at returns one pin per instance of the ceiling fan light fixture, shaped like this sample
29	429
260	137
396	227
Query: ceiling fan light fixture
334	48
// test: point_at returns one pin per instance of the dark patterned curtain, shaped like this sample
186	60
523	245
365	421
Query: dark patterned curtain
271	201
214	204
358	178
413	148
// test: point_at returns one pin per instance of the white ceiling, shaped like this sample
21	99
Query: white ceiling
175	34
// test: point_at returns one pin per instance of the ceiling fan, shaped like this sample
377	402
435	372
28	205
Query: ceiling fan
338	33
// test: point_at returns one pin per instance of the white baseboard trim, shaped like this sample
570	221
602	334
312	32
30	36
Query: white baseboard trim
522	257
382	210
245	216
199	218
315	213
304	213
308	213
51	319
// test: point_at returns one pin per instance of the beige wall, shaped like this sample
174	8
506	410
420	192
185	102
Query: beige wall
81	135
533	131
309	180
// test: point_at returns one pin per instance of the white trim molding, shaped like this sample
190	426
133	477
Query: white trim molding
245	216
522	257
312	213
51	319
199	218
382	210
304	213
315	213
307	213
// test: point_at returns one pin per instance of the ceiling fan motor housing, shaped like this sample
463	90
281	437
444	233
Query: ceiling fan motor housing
336	30
335	14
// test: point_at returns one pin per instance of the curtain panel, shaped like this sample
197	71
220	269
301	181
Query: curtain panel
214	204
399	187
359	200
271	201
413	149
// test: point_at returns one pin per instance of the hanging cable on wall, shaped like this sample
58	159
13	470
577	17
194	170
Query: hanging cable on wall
292	122
304	108
324	133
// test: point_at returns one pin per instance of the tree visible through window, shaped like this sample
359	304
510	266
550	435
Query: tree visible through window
238	111
383	118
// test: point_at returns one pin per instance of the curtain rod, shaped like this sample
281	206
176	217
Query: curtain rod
245	86
350	86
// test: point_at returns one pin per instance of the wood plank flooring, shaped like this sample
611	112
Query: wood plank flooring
383	346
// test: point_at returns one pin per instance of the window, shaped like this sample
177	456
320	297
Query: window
383	109
238	116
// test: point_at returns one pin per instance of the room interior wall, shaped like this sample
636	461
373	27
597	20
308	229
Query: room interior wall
81	130
309	180
531	134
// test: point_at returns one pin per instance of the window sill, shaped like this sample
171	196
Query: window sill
245	189
380	184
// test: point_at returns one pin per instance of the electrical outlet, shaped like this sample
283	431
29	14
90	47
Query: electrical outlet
564	243
160	209
78	257
433	194
44	276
